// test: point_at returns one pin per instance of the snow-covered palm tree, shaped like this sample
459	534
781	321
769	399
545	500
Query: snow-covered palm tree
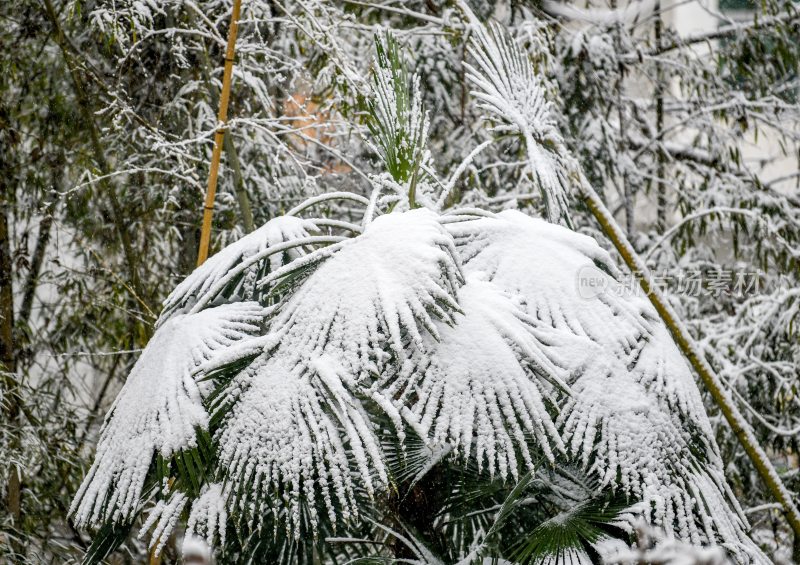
398	381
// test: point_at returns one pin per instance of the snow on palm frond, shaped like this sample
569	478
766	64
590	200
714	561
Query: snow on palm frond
486	384
511	91
638	422
293	430
238	265
472	331
545	263
208	515
634	416
631	440
397	278
162	520
657	548
160	407
294	420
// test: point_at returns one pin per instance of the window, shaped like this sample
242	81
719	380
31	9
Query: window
736	5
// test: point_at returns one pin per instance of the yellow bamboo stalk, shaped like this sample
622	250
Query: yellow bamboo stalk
219	135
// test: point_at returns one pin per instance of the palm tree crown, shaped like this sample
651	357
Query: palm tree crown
321	376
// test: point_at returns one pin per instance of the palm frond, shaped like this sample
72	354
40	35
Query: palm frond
568	537
634	416
159	408
105	541
397	121
486	389
208	515
510	90
547	265
230	274
162	520
294	423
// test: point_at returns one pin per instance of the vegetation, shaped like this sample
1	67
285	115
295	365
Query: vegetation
107	122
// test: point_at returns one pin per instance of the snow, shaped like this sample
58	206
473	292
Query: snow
398	277
484	386
509	89
208	513
634	416
542	262
164	517
196	547
471	332
247	251
293	409
159	408
280	435
654	547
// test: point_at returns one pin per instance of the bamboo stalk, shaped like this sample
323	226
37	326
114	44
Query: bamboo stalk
688	347
219	135
230	150
241	190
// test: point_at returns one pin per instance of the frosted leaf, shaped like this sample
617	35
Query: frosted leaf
649	438
294	424
208	515
546	264
164	516
385	286
485	386
629	440
295	429
509	89
248	249
654	546
399	127
159	407
662	370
